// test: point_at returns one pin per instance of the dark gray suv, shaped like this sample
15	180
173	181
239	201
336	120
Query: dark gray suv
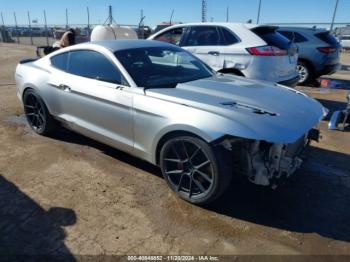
318	51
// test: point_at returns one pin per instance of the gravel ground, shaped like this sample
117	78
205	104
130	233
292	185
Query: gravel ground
67	194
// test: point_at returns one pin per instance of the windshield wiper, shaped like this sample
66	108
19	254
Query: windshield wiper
199	78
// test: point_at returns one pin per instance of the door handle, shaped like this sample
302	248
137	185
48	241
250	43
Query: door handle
64	88
61	87
215	53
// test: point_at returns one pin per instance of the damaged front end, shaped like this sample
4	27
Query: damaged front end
268	164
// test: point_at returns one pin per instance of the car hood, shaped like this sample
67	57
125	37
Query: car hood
270	111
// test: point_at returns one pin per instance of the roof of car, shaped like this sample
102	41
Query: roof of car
247	25
117	45
307	29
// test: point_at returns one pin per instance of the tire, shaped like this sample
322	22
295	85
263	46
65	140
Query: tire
37	115
305	73
195	171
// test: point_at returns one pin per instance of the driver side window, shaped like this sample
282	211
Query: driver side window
92	64
172	36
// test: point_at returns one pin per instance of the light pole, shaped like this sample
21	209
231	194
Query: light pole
67	19
258	18
30	29
2	29
46	30
227	14
171	17
88	19
334	13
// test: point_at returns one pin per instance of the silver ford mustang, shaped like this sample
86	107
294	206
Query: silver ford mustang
159	103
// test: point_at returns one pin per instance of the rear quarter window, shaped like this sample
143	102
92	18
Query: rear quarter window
298	38
328	38
272	37
228	37
60	61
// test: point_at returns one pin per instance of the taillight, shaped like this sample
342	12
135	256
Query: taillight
326	50
266	51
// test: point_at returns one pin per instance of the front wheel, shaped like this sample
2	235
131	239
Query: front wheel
193	171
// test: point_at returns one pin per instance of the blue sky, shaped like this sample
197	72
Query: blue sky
128	12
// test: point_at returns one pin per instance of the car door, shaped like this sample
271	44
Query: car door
205	42
94	99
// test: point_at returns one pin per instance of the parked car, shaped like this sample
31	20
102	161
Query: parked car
319	52
345	41
340	120
249	50
160	103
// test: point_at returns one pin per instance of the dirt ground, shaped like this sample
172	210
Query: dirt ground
67	194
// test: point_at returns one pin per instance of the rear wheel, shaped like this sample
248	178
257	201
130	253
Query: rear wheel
194	170
36	113
305	73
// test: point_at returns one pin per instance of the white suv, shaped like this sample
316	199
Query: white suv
250	50
345	41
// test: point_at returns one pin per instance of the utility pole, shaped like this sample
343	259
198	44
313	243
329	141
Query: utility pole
30	29
2	32
88	18
2	19
67	19
16	25
258	18
171	17
141	25
204	11
46	31
110	18
110	15
334	13
227	14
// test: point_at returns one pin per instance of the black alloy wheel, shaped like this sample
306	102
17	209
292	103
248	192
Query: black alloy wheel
192	170
36	113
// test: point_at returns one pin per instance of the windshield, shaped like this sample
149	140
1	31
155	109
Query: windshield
162	66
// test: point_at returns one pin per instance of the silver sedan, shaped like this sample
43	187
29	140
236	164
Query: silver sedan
158	102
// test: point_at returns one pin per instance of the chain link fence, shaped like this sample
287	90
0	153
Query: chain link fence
41	35
46	34
34	33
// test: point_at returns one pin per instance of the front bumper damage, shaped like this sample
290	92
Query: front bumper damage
269	164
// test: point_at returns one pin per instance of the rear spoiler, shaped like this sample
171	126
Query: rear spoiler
28	60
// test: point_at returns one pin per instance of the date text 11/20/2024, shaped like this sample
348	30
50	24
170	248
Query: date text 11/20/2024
173	258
